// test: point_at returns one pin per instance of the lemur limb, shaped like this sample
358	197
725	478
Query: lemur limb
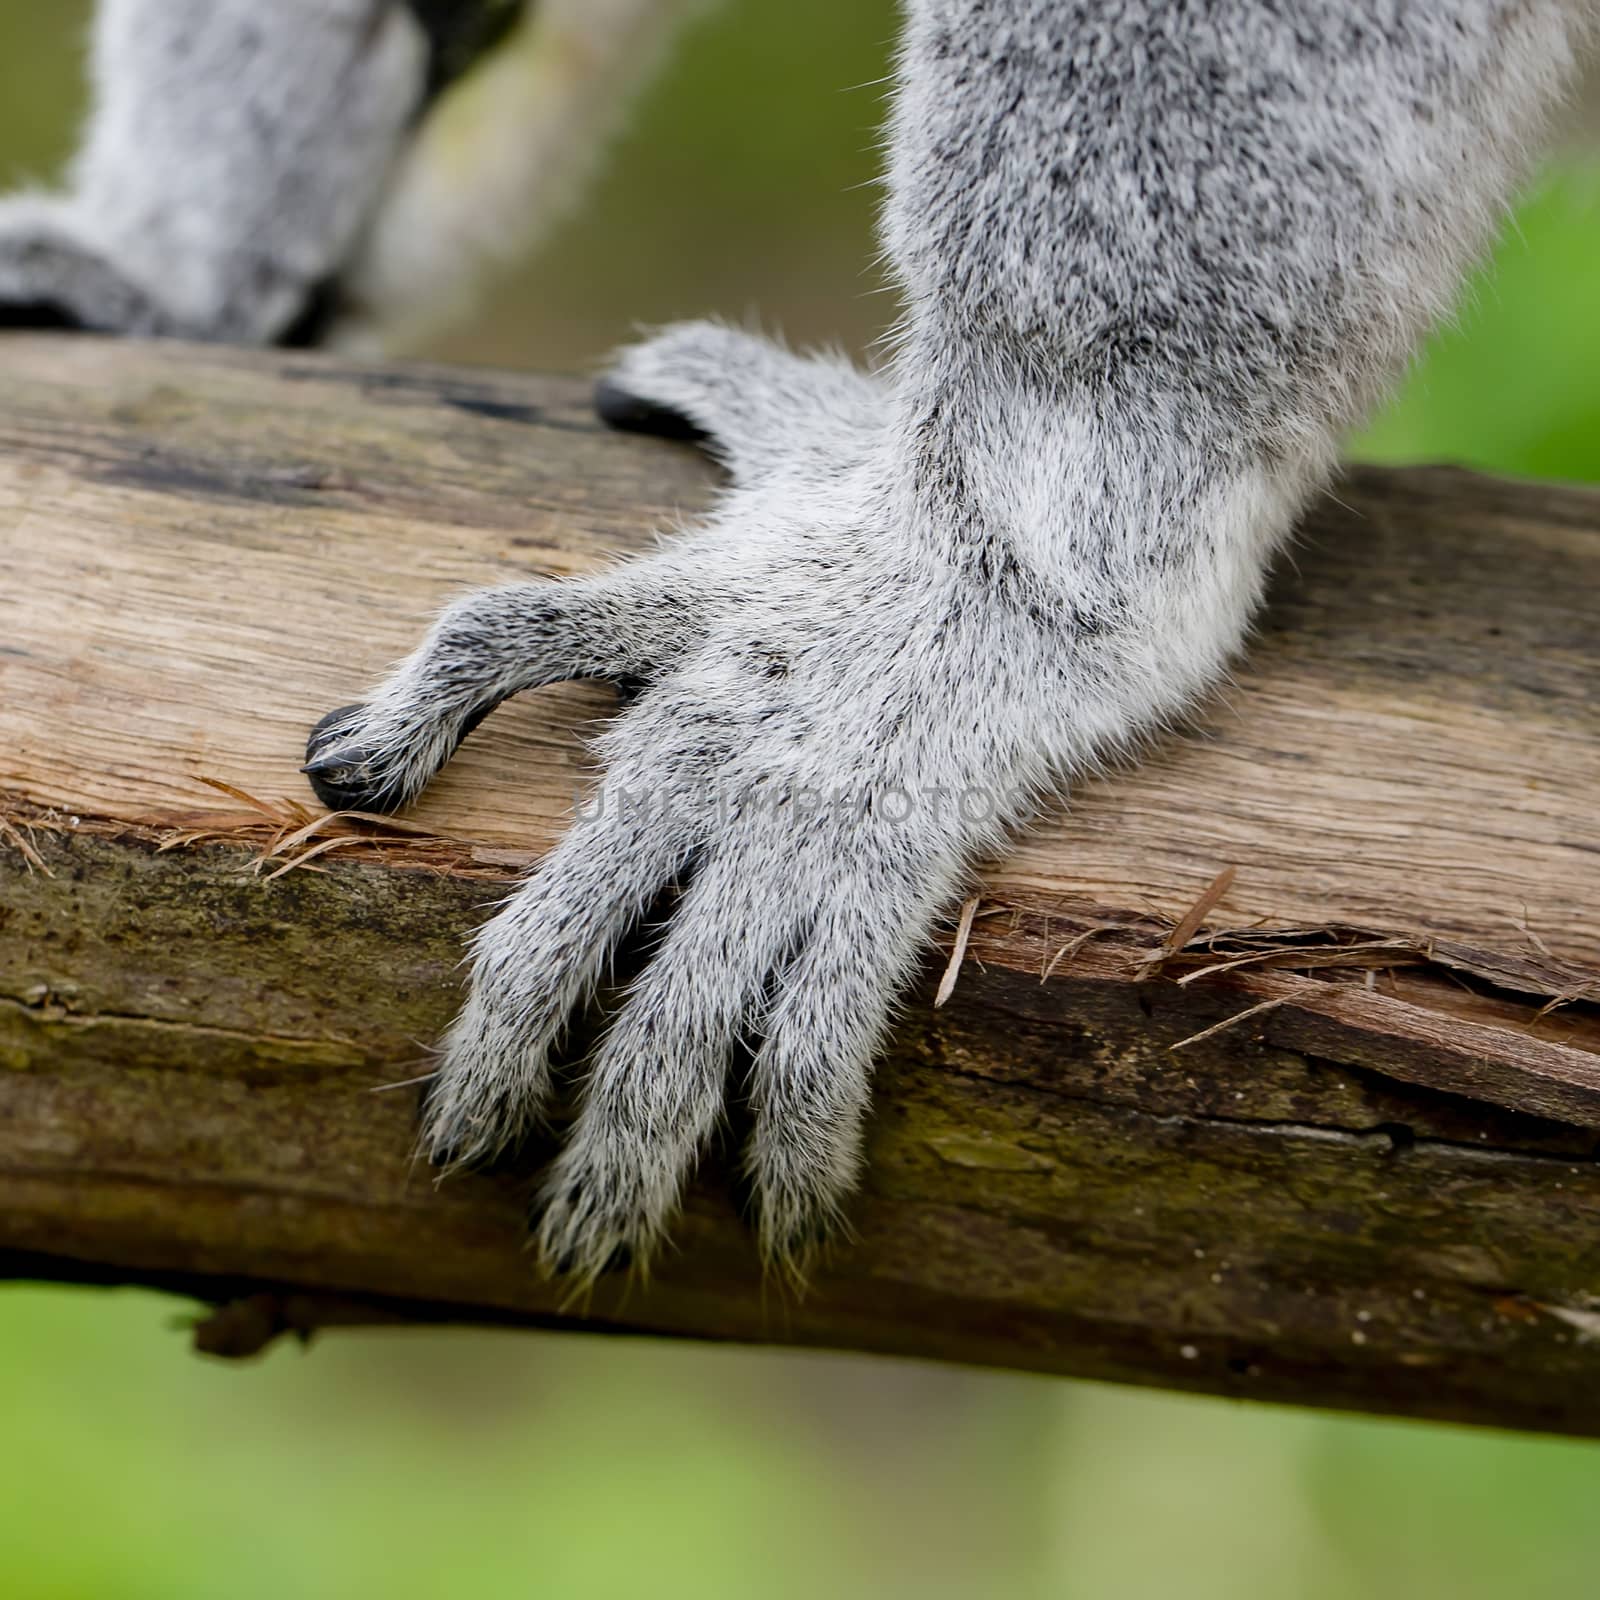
1155	258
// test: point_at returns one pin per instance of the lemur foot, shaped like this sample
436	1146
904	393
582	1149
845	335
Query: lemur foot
795	721
51	277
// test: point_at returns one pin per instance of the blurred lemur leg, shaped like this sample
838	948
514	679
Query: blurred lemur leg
1155	257
234	153
261	170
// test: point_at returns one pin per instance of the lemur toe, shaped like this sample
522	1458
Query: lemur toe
457	1150
566	1249
342	774
793	1229
443	1154
349	775
620	408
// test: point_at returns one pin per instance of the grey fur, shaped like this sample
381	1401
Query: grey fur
1156	255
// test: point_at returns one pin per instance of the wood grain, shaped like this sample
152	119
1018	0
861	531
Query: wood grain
1378	1189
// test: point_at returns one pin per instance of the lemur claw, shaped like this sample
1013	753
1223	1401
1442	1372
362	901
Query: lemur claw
352	775
342	774
39	314
628	412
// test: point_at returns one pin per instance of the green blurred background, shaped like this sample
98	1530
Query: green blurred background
470	1463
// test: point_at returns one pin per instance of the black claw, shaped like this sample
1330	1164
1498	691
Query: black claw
339	718
341	774
39	314
315	320
631	413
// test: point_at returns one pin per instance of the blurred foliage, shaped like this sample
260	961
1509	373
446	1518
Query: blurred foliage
418	1464
1514	386
491	1464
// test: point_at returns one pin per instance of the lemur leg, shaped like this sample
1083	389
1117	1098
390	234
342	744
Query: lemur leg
1155	257
758	405
255	172
626	625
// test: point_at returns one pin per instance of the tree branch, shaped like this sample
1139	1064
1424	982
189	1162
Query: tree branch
1332	1142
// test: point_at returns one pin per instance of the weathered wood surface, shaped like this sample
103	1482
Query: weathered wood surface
1380	1190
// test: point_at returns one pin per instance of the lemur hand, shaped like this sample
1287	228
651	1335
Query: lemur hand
1154	259
832	724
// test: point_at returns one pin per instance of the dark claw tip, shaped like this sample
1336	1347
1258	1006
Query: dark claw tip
336	772
328	763
25	314
631	413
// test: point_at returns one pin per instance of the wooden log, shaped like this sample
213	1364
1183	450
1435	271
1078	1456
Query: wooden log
1336	1144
